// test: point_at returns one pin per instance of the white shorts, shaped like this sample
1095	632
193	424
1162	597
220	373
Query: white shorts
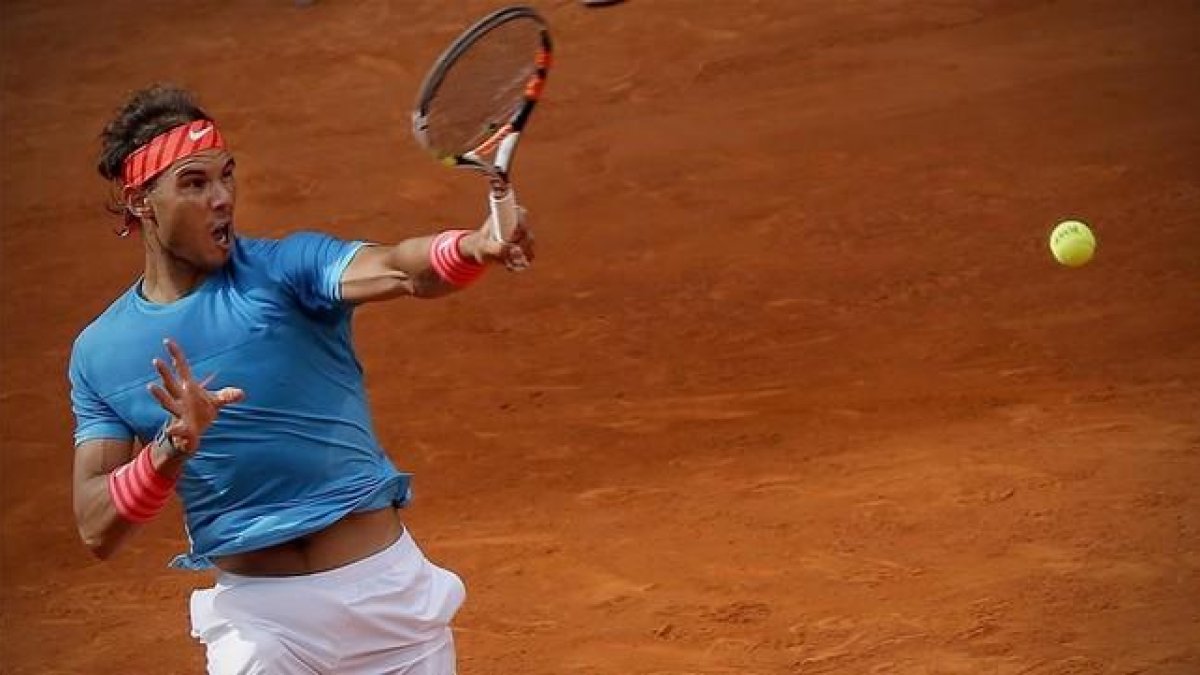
387	613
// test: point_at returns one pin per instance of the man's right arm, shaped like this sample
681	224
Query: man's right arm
101	526
143	478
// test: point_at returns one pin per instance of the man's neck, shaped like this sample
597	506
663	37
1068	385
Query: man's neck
168	279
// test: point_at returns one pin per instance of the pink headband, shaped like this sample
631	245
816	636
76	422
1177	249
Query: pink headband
164	149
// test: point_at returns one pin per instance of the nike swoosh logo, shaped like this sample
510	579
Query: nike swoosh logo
197	134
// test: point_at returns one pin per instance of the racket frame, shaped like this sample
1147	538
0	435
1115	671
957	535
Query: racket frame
503	142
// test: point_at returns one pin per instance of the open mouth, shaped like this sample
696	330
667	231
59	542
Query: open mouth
221	234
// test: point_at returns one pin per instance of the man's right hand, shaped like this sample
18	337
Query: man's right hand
193	408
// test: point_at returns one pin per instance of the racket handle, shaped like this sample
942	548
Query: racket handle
504	214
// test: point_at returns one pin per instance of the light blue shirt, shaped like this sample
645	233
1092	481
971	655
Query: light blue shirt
300	452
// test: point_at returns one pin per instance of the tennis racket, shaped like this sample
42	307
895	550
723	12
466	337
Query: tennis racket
477	99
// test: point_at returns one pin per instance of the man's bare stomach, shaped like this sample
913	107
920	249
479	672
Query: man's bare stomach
352	538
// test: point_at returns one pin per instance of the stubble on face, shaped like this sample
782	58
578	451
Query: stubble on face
193	204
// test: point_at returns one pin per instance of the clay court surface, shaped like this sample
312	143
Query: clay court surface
795	386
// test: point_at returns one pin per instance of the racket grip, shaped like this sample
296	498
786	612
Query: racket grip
504	215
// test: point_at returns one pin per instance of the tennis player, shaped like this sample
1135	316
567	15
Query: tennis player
226	374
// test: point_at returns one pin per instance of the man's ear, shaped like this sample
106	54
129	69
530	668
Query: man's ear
137	202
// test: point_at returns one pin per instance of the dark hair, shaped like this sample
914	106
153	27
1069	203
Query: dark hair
148	113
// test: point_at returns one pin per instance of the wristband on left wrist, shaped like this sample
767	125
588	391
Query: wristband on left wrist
448	261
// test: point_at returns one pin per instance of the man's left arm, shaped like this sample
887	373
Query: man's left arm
430	266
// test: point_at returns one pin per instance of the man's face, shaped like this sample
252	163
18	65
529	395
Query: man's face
193	204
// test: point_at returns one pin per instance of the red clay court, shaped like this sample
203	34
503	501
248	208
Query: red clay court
795	386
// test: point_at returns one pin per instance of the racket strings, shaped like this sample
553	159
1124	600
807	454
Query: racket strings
484	86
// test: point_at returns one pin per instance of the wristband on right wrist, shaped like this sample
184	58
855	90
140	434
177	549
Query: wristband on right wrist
139	492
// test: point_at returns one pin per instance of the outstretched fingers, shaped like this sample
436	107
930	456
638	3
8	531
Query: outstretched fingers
192	407
179	360
169	383
227	396
167	401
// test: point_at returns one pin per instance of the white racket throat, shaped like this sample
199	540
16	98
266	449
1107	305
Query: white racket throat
504	152
505	215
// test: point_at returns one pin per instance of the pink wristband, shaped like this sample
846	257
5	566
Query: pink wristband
449	263
138	491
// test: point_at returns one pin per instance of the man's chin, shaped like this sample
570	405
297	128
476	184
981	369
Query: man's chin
215	260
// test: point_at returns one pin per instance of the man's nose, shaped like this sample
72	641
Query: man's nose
222	195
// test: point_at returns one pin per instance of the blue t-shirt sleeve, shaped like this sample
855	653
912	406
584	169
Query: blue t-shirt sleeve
311	264
94	419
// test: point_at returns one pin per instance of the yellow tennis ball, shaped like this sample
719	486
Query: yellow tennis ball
1072	243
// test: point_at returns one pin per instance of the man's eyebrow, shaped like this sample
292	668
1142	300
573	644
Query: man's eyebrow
193	167
190	168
